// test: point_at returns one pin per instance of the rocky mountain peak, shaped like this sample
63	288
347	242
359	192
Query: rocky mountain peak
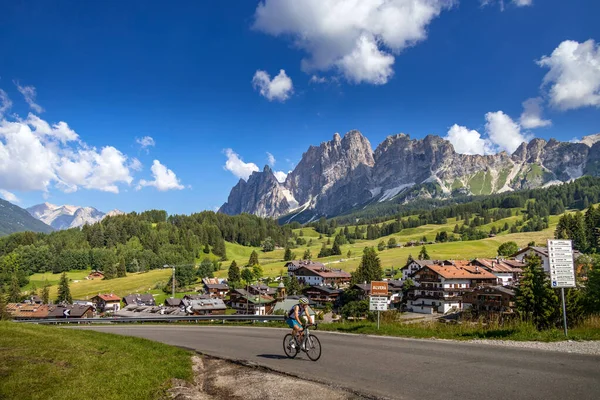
590	140
344	174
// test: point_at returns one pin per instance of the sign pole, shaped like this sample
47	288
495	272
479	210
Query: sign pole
378	313
562	292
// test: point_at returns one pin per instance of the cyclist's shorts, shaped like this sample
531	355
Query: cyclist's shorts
292	322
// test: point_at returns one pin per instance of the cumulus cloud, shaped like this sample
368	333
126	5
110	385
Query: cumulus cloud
237	167
357	38
281	176
60	130
271	159
5	103
145	142
532	114
164	178
573	80
279	88
467	141
8	196
29	93
503	132
36	155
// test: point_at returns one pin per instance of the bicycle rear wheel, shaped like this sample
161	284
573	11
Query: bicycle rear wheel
288	341
313	348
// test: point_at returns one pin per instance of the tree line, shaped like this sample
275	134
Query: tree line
133	242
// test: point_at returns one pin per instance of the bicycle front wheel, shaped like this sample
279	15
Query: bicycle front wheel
313	348
289	346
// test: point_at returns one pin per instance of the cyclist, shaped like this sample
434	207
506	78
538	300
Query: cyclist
293	320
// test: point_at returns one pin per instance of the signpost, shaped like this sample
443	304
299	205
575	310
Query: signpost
378	299
562	270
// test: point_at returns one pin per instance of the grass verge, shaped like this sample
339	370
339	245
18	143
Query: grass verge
41	362
519	331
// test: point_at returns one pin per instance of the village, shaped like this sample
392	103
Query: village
433	287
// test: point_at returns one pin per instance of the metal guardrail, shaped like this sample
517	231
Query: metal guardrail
162	318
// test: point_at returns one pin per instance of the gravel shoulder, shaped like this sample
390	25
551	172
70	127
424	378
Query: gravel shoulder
216	379
568	346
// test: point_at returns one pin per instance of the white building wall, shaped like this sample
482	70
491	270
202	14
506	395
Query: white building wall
545	260
504	278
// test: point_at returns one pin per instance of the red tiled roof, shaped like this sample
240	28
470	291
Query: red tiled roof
461	270
109	297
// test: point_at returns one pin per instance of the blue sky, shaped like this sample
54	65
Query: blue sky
198	78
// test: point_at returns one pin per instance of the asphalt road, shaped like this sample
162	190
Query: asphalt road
397	368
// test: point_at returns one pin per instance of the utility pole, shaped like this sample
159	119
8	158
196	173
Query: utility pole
173	281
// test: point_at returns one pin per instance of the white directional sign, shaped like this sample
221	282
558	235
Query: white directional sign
562	269
378	303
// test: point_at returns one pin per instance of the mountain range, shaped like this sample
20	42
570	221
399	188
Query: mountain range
67	216
345	174
15	219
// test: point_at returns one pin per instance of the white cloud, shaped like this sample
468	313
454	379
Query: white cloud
5	103
366	63
467	141
503	132
280	176
145	142
271	159
522	3
317	79
279	88
135	164
8	196
574	77
29	93
532	114
353	37
36	156
237	167
164	178
60	130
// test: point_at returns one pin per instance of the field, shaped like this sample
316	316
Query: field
41	362
273	264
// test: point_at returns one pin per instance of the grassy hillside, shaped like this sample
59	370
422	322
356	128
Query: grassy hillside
41	362
273	264
15	219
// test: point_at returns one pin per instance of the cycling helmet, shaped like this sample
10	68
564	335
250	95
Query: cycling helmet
303	300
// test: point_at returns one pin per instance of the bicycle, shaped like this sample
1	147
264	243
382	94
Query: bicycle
310	344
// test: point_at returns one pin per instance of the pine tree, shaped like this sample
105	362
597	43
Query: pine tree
423	255
206	249
46	292
3	313
64	293
121	270
247	275
110	272
253	260
349	254
14	291
233	275
307	255
409	259
288	254
535	300
292	286
381	245
369	268
335	249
